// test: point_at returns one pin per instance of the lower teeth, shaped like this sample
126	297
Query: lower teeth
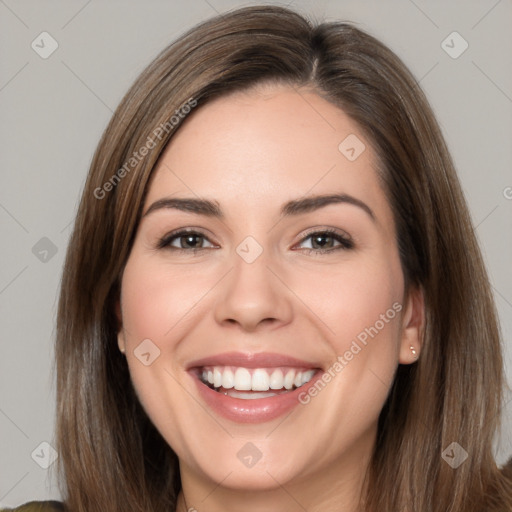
248	395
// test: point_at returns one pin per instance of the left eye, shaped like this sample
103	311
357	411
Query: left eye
326	240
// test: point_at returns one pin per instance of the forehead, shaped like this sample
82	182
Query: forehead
266	146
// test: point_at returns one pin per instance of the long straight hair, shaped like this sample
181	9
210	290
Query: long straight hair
111	457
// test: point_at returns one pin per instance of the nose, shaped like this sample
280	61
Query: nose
252	296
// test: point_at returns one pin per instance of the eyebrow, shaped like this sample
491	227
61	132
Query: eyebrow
308	204
295	207
199	206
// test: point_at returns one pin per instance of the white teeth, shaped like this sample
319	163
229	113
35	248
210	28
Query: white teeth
248	395
228	379
257	379
277	380
289	378
217	378
307	376
243	380
260	380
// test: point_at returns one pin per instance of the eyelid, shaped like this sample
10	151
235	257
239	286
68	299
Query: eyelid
336	233
325	229
165	241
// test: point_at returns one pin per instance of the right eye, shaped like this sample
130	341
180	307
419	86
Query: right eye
185	240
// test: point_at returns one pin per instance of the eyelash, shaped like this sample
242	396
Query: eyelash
344	242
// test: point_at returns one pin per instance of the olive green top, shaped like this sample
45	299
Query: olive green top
37	506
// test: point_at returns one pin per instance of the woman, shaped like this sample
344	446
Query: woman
273	297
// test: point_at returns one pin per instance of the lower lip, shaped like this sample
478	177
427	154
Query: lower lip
257	410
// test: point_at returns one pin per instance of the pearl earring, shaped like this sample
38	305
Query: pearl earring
413	350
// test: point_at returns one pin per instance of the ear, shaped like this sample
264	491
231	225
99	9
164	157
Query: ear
120	332
413	323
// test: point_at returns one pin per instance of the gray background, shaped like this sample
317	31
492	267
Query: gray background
54	110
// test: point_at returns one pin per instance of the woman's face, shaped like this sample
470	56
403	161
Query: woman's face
288	275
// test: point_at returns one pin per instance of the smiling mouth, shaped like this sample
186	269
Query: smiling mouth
254	383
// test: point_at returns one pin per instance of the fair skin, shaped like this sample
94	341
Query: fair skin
250	153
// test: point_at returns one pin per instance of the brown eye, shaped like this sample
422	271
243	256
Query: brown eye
190	241
325	241
322	241
185	240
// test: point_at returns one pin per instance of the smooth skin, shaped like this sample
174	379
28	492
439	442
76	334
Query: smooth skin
305	296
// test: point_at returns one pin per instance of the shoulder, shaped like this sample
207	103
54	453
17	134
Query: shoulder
37	506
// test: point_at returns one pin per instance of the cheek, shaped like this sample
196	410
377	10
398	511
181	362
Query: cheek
360	308
156	306
367	310
359	300
160	305
156	300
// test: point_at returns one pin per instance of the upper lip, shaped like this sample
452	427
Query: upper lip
252	360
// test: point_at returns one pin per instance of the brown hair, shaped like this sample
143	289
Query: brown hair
111	456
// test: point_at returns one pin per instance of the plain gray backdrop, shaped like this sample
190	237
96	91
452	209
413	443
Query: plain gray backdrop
54	108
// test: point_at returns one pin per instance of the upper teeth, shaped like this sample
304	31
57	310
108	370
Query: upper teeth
257	379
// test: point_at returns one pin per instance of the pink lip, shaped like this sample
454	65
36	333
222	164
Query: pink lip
258	360
251	411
